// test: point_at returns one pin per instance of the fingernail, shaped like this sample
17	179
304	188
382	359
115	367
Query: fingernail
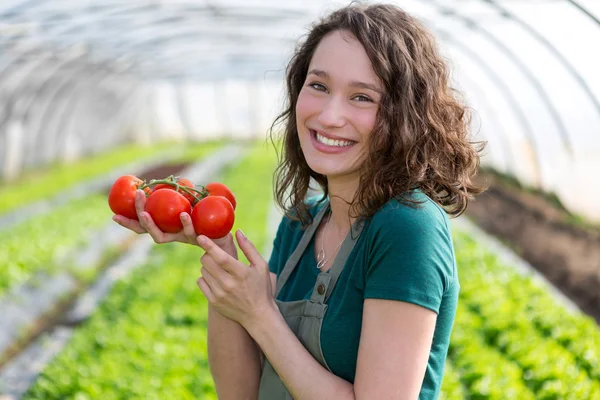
183	216
242	233
202	239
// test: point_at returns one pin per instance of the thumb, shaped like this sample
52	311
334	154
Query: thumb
249	250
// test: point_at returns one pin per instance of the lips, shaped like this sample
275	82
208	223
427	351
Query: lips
329	148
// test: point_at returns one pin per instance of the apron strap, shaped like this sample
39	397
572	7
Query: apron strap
326	281
297	254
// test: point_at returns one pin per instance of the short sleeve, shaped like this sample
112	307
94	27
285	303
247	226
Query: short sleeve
274	259
410	258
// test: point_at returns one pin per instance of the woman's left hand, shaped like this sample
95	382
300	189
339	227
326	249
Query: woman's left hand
240	292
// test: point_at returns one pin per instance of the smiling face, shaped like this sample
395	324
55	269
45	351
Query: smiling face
337	107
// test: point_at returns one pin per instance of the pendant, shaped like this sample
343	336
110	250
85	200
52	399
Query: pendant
321	259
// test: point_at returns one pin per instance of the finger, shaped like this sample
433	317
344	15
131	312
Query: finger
140	202
188	226
201	282
213	283
140	207
250	251
220	256
130	224
157	235
222	276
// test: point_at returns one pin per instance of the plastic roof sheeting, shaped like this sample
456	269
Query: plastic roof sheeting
77	76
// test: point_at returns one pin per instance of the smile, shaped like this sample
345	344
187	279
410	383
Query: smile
331	142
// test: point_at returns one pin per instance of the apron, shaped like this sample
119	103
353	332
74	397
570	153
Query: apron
305	317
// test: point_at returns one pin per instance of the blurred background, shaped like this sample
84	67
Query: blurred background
91	90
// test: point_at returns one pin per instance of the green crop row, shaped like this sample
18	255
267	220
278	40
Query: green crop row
508	315
46	182
147	340
482	368
39	244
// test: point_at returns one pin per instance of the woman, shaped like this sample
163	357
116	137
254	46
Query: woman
359	296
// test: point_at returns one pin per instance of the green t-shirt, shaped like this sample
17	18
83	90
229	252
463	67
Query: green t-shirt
403	253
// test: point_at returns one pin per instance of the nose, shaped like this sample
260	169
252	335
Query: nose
333	113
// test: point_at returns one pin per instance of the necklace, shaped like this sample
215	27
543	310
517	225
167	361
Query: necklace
321	256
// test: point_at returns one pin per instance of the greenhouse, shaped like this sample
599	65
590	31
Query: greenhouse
91	91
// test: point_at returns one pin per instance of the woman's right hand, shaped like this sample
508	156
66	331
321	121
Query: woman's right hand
145	224
186	235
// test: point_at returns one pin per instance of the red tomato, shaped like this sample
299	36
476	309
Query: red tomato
218	189
165	207
121	198
180	182
213	216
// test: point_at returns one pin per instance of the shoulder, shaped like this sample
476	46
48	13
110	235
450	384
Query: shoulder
424	218
412	241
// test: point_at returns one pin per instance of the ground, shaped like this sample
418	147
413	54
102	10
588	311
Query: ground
566	253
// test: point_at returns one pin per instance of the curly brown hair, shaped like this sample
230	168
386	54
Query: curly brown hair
421	137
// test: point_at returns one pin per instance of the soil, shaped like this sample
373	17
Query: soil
163	171
157	172
566	253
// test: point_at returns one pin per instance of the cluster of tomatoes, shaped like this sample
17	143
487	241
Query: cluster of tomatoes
211	207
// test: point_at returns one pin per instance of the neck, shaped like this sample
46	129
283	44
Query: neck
340	194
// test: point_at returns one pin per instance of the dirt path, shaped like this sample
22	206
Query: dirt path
567	254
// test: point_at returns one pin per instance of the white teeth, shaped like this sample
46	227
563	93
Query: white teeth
331	142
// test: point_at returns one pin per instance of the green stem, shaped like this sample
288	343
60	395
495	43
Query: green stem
172	181
190	191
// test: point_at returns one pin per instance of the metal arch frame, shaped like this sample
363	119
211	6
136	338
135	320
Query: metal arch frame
505	148
47	82
149	21
140	56
584	10
155	18
38	102
130	100
172	36
12	93
96	80
7	70
537	85
504	89
123	98
64	116
59	81
46	85
40	63
555	52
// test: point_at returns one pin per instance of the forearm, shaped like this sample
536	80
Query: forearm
234	358
301	374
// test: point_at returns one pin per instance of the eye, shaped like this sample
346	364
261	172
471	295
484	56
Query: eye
318	86
362	98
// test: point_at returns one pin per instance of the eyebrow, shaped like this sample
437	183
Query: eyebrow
364	85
